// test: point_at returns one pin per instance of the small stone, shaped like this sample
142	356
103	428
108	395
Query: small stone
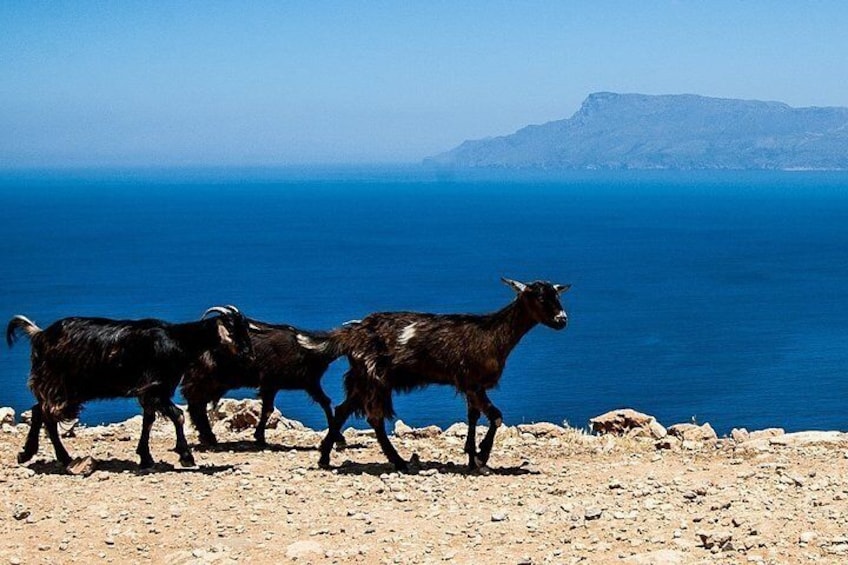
593	513
499	516
81	466
807	537
20	513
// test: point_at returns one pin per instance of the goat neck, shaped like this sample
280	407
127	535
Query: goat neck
509	324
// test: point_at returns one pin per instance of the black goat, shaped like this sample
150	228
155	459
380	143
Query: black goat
401	351
286	358
75	360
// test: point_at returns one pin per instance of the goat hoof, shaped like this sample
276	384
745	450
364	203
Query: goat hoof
187	460
483	471
208	441
24	456
146	463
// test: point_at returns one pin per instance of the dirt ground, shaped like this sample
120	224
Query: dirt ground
554	495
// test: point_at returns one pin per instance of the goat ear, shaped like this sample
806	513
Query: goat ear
562	288
515	285
224	334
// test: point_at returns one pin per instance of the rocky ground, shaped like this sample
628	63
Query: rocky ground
553	495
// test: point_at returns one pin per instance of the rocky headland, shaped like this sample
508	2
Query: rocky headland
631	491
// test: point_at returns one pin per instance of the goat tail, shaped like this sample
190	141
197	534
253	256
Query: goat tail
20	323
332	344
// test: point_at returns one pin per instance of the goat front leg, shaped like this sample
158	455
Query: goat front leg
318	395
31	445
200	418
495	417
174	414
267	396
471	440
143	449
343	412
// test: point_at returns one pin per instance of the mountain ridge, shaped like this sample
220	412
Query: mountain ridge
669	131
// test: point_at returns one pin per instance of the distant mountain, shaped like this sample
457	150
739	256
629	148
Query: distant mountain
637	131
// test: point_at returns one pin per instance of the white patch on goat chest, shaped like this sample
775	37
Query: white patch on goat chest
407	334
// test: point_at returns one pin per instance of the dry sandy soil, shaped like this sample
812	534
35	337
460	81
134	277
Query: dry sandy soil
554	495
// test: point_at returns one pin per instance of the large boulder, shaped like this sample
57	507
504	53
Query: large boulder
627	422
239	415
403	430
693	432
541	429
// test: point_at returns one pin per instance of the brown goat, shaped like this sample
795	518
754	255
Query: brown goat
401	351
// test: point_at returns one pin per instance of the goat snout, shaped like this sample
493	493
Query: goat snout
561	319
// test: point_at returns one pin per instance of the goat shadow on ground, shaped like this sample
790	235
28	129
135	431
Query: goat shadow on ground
124	465
246	446
377	469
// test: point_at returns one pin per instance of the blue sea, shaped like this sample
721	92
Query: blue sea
715	296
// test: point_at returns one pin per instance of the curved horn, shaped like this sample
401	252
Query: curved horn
233	308
220	309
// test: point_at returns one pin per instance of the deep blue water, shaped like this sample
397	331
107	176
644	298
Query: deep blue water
718	296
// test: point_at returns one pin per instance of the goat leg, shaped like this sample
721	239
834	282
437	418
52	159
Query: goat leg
379	425
267	407
318	395
495	418
200	419
31	445
143	449
53	433
176	416
471	440
343	412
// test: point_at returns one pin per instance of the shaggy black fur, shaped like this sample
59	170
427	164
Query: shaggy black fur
401	351
287	358
75	360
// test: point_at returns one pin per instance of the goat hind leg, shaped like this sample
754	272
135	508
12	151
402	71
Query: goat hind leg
176	416
379	425
31	445
53	433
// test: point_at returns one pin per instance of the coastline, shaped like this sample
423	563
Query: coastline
554	495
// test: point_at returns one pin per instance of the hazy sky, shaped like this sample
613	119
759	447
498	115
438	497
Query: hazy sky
255	83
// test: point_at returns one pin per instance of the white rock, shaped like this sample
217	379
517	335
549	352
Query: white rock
7	416
303	548
459	429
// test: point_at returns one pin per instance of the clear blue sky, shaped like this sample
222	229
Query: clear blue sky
276	83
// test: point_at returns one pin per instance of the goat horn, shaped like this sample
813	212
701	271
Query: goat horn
233	308
515	285
220	309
